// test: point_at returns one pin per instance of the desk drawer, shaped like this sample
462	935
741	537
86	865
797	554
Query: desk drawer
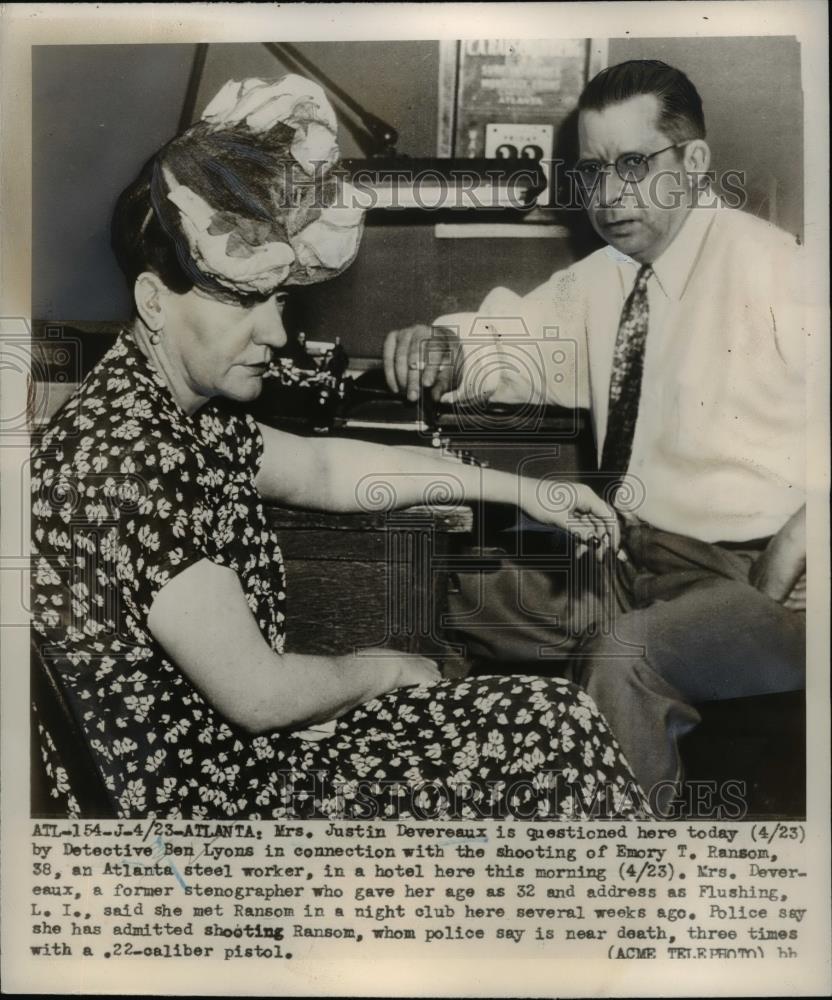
334	546
334	607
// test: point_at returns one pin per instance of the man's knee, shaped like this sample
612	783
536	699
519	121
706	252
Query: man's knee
620	676
603	666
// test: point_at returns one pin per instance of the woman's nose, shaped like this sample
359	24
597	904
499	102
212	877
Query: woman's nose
268	326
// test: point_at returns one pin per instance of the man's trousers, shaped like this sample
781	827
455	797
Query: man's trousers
676	625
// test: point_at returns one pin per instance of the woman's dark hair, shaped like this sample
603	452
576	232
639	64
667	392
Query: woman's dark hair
138	239
680	115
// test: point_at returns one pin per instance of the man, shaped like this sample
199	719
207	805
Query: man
688	335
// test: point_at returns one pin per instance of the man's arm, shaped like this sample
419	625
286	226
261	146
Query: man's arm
515	349
781	286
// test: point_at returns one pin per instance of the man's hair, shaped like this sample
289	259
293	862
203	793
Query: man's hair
139	241
680	106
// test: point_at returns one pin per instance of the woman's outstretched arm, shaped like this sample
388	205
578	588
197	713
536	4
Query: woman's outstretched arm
336	474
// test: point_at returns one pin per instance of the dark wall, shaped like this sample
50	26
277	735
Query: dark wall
100	111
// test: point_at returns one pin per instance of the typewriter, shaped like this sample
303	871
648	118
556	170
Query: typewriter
309	390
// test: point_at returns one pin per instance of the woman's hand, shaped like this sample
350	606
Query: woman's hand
575	508
401	669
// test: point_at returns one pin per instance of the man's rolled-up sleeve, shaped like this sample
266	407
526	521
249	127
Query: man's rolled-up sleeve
526	350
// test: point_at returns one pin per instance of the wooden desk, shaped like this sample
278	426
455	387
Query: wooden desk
370	579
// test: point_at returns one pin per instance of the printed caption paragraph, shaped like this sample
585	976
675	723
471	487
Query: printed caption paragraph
281	891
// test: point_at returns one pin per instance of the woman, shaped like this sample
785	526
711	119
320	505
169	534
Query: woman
159	588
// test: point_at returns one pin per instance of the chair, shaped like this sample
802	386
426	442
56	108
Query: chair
52	713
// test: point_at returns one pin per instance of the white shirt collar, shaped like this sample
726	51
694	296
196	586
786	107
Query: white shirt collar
675	266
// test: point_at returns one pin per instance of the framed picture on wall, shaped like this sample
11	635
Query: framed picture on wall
511	98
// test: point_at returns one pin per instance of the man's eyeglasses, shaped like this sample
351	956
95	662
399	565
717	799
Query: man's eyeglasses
632	167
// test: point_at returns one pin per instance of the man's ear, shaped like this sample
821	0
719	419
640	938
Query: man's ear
697	157
150	293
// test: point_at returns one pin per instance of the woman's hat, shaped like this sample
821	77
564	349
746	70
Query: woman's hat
251	194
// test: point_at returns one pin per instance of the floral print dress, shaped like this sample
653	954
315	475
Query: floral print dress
129	490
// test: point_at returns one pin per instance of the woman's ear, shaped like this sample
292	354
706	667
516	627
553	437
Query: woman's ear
149	293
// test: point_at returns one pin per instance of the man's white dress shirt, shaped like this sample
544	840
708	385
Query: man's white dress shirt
720	439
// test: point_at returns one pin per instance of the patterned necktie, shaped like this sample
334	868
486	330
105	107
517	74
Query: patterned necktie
625	382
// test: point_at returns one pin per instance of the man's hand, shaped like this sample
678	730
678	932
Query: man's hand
796	601
780	569
421	357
